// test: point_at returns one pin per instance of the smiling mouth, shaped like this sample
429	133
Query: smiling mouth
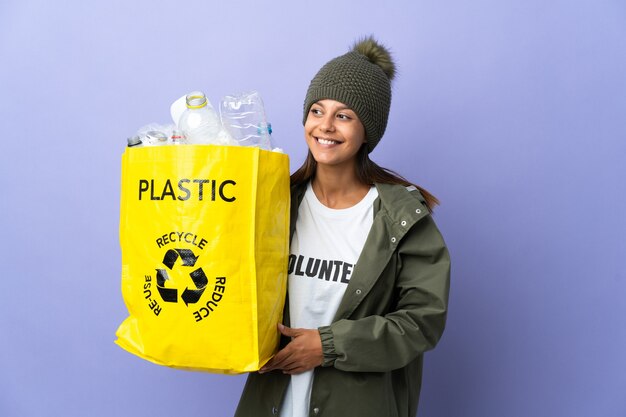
327	141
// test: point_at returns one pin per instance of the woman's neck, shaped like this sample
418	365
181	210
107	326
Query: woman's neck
338	189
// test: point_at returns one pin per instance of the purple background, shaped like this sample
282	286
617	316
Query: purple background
512	113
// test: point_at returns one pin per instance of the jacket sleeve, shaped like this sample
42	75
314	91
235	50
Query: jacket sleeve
379	343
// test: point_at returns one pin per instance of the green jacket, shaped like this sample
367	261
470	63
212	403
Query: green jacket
393	310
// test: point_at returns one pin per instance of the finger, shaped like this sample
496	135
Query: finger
287	331
294	365
271	364
295	370
287	359
288	362
277	362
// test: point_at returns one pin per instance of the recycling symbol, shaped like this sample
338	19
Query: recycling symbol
190	295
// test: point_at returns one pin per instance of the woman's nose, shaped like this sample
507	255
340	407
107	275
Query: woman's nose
327	124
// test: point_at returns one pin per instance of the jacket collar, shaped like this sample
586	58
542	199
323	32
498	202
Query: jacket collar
401	203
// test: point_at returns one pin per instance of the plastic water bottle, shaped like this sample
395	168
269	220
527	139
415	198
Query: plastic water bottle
134	141
154	138
199	122
243	116
177	138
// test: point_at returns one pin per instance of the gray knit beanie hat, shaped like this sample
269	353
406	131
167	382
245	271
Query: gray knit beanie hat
360	79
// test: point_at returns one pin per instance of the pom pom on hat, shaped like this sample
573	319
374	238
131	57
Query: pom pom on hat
360	79
377	54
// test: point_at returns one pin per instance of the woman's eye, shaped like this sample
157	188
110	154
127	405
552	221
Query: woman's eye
316	111
343	116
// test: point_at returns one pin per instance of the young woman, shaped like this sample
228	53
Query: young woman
368	268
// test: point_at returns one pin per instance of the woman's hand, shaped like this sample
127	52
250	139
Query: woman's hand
303	353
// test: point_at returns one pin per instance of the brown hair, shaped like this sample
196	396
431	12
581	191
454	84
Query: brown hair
367	171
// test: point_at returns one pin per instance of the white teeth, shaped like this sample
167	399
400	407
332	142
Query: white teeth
326	141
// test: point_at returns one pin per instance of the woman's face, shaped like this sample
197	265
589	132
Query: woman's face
333	133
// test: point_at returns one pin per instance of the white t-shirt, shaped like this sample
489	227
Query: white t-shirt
324	249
